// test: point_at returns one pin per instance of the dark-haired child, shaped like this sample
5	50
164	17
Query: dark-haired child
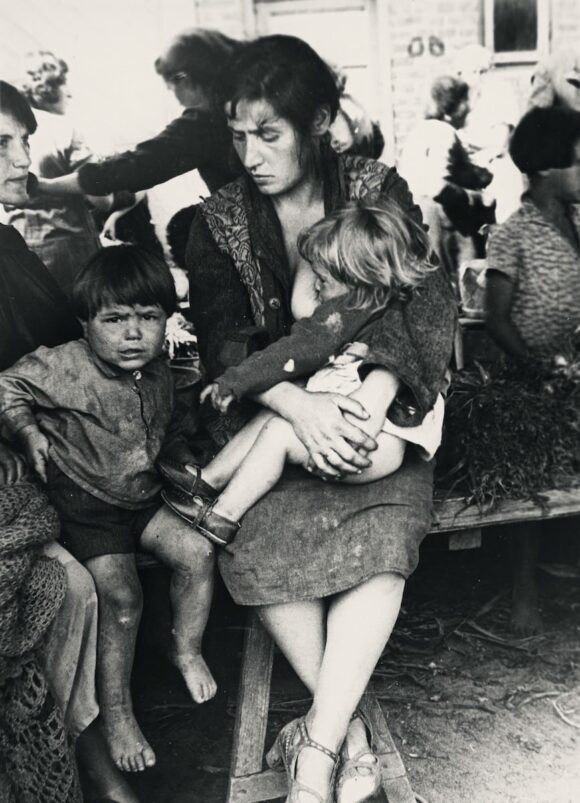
533	281
92	416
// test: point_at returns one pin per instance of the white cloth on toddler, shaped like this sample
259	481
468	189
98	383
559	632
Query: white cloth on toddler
341	375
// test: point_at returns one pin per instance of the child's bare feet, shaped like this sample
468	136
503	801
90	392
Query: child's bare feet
130	750
198	678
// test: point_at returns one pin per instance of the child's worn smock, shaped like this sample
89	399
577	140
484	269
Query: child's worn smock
341	375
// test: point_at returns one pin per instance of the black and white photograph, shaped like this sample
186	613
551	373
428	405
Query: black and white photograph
289	401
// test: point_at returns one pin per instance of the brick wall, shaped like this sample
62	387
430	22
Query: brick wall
453	23
565	24
228	16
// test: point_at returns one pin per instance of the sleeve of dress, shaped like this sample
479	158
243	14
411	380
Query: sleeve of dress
310	344
503	251
187	143
219	302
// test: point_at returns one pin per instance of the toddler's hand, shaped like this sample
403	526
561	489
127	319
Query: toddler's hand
219	401
36	447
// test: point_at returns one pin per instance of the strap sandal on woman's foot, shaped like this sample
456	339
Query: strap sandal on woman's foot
201	515
183	483
359	776
291	741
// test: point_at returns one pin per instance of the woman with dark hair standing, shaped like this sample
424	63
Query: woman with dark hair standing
317	560
197	140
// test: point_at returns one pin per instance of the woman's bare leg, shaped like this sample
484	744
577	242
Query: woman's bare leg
299	630
350	656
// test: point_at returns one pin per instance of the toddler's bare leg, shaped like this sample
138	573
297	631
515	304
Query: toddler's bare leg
191	559
221	469
261	469
386	458
120	605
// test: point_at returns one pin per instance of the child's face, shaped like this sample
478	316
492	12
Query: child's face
126	337
326	286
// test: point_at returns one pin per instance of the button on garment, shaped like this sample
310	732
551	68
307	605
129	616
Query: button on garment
274	303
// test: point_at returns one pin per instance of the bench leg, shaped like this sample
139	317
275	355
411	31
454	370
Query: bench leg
396	784
247	782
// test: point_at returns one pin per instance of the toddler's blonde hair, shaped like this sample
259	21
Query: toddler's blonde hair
373	247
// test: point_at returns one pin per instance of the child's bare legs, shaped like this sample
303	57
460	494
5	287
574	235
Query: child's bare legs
103	774
190	556
275	445
120	605
220	470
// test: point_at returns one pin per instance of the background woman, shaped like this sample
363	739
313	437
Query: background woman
196	140
443	179
315	559
61	232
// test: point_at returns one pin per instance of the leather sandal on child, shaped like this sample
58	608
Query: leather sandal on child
201	515
181	482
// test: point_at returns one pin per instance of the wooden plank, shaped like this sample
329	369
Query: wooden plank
253	702
267	785
452	515
396	784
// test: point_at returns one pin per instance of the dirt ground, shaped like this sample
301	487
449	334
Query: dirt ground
473	711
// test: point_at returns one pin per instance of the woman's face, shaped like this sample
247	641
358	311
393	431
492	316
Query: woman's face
14	160
187	94
268	147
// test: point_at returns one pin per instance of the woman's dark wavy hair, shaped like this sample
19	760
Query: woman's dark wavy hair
288	74
13	103
200	53
45	74
122	274
447	92
544	139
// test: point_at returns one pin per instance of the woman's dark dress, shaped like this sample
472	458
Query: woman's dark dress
33	309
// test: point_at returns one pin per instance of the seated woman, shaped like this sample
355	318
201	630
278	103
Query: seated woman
443	179
34	312
315	559
533	281
363	258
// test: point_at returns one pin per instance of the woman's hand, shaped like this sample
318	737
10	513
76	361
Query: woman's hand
319	422
12	466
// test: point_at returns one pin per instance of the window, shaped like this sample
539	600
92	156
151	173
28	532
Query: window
516	30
